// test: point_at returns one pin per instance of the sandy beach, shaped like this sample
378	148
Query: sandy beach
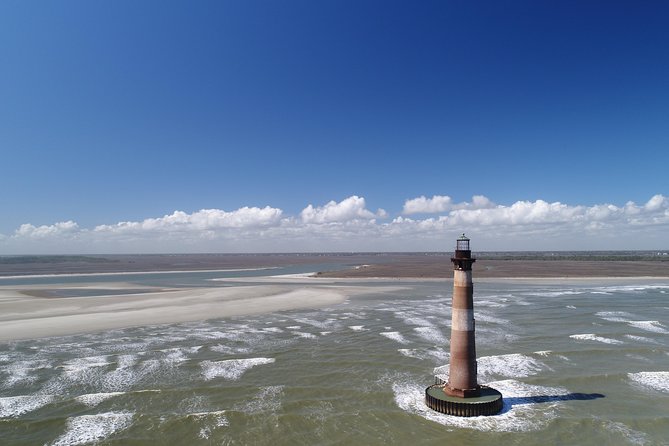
32	310
27	312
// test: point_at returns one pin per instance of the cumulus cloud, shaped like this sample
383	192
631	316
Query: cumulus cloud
348	225
203	220
351	208
57	229
423	205
656	203
443	203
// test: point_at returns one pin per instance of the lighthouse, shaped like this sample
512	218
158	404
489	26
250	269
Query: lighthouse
461	395
462	368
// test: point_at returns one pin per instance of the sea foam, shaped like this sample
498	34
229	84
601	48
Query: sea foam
268	399
502	366
231	369
431	334
594	337
93	399
654	326
635	437
395	336
614	316
14	406
642	339
507	366
654	380
87	429
517	415
210	421
21	372
437	353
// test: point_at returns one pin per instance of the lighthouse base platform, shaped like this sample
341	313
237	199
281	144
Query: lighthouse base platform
489	402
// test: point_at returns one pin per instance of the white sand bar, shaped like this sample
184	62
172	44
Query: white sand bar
27	317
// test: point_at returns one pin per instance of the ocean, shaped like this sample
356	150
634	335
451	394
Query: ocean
584	363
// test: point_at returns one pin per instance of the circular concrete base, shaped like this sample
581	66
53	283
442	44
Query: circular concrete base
488	403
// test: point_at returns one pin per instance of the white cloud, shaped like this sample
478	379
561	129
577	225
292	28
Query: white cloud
443	203
349	226
656	203
351	208
481	202
203	220
423	205
57	229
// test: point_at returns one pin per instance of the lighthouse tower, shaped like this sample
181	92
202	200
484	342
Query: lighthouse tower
462	369
461	395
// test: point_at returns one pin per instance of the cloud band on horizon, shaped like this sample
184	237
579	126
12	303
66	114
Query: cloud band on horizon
348	225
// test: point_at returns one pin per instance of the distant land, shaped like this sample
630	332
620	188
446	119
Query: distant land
360	265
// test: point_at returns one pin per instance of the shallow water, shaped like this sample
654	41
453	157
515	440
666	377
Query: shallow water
582	364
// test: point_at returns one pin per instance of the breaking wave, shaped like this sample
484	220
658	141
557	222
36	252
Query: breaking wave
231	369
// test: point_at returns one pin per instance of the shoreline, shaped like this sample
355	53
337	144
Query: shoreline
132	273
25	317
328	275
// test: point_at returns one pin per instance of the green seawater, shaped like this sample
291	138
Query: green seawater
584	363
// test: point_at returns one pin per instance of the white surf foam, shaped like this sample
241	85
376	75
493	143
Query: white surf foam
654	326
78	368
304	335
519	417
211	420
126	374
480	303
614	316
93	399
323	325
438	354
395	336
635	437
13	406
357	327
654	380
229	350
627	288
556	293
87	429
268	399
642	339
231	369
594	337
412	319
431	334
22	372
489	319
507	366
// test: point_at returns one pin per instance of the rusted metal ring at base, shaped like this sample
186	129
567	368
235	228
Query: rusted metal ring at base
463	407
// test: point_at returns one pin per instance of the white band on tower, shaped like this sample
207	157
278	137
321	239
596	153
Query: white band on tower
462	278
462	319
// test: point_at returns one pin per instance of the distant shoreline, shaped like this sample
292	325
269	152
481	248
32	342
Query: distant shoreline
501	269
361	266
132	273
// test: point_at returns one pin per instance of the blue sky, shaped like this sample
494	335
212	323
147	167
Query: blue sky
114	115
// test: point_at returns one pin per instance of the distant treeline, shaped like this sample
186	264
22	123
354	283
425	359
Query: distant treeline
18	260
